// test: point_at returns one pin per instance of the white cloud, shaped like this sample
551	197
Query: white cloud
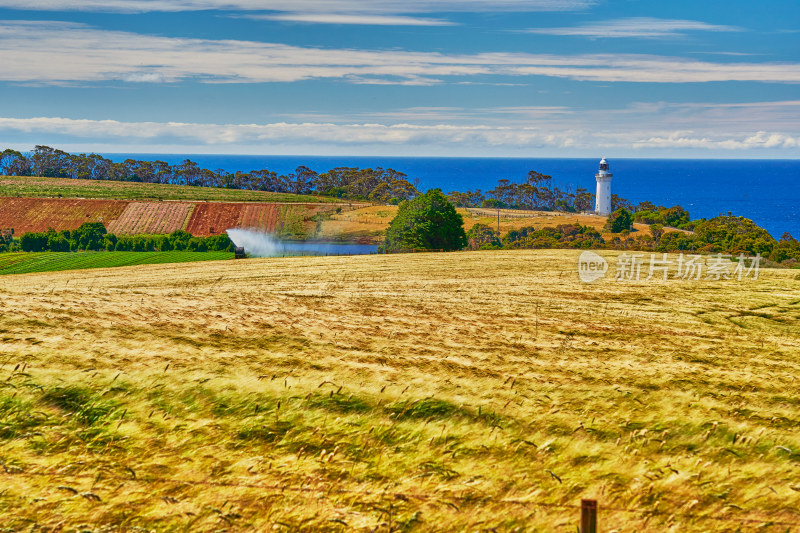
404	137
761	139
301	6
61	52
144	77
645	27
354	19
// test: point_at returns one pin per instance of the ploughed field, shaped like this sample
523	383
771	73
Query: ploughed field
423	391
124	217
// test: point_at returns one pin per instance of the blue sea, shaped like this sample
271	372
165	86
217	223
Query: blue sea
766	191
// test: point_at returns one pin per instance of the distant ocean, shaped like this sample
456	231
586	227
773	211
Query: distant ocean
766	191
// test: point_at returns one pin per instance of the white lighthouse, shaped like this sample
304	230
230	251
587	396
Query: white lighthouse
603	197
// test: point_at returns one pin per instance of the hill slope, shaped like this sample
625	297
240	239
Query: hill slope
455	391
35	187
125	217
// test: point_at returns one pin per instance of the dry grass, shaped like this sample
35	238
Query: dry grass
368	224
518	218
364	224
429	391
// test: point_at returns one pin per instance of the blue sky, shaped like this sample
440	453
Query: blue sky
530	78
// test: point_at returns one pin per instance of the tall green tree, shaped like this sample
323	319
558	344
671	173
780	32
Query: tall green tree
429	222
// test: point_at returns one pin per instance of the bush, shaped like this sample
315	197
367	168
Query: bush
89	236
92	236
619	221
675	216
734	235
33	242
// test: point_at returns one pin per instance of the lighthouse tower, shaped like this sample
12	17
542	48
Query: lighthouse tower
603	196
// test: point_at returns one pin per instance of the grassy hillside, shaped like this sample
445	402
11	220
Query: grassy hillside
69	188
25	263
368	224
375	393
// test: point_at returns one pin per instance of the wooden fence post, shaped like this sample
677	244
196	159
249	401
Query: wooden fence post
588	516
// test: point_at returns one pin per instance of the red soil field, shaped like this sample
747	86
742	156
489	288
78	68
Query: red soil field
39	214
152	218
214	218
131	217
262	217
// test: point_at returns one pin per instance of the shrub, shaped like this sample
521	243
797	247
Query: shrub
619	220
482	237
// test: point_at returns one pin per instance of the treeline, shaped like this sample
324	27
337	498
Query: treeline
92	236
729	235
378	184
536	192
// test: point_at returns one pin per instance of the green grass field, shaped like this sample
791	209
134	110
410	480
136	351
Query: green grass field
35	187
25	263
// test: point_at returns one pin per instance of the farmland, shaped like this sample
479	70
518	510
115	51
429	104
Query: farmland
452	391
151	218
35	187
140	208
293	220
38	214
24	263
124	217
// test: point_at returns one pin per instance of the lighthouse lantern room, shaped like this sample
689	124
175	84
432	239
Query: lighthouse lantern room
603	196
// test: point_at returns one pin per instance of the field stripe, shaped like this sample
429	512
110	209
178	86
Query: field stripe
24	263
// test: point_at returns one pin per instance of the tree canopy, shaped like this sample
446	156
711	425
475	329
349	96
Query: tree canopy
429	222
619	220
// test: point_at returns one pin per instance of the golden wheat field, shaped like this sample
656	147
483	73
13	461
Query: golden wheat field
427	392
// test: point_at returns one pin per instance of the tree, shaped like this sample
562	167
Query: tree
584	200
657	230
13	163
618	221
33	242
645	206
50	162
428	222
482	236
617	202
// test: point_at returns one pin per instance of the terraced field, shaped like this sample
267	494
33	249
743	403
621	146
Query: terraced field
25	263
